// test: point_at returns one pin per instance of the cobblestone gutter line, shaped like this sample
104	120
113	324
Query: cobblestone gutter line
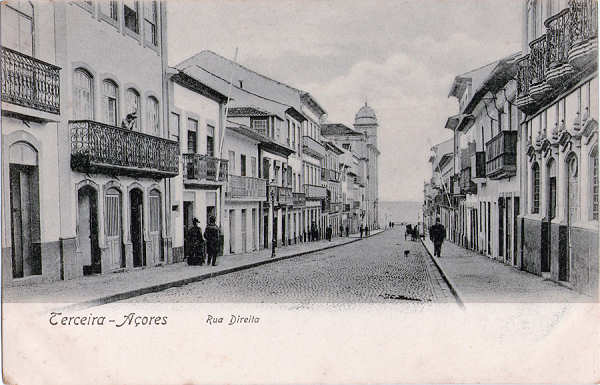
181	282
451	285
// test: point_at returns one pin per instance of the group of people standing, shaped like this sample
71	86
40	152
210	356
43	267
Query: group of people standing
364	230
199	247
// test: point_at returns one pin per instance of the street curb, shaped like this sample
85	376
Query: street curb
181	282
451	285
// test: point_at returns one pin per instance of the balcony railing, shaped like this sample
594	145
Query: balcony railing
312	147
198	168
29	82
501	153
282	196
98	147
335	207
315	192
538	57
246	187
556	56
299	199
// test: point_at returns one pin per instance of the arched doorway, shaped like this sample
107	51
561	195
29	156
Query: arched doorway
112	228
572	214
25	210
155	225
87	229
136	226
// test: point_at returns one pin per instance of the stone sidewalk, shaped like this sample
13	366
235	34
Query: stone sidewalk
100	289
477	278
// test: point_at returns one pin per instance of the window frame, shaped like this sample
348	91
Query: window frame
106	98
31	18
138	121
156	131
126	28
153	5
77	100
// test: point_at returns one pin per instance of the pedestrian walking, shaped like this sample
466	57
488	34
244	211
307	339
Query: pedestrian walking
407	231
347	231
212	235
196	244
361	230
329	232
437	234
341	230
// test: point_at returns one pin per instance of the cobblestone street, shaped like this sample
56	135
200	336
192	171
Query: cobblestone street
371	270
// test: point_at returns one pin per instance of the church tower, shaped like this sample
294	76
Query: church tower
365	121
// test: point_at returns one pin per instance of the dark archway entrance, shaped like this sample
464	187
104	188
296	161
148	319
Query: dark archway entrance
87	204
136	227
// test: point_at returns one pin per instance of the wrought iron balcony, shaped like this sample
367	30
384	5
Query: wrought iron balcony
246	187
501	154
282	196
101	148
29	82
299	199
560	56
312	147
198	169
315	192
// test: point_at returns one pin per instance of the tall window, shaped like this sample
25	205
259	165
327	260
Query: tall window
253	166
552	189
594	175
192	131
294	135
110	101
174	124
130	14
210	140
150	22
17	26
110	9
83	107
152	116
242	165
231	162
535	171
133	106
289	131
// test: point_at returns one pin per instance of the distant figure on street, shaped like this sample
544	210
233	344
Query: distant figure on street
212	234
341	231
347	231
329	232
313	232
361	230
196	244
437	234
407	231
367	231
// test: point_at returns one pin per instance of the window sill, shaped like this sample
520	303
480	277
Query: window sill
153	47
109	20
132	34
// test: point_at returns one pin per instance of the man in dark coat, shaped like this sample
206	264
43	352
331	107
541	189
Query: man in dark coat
196	244
361	230
212	241
437	234
329	232
341	230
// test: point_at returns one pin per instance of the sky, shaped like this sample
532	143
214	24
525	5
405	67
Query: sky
400	56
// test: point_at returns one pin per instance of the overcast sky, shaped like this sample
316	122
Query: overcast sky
401	55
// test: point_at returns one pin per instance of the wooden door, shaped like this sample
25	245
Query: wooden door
84	234
155	226
244	231
112	217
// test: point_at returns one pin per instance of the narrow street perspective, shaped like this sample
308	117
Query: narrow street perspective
375	269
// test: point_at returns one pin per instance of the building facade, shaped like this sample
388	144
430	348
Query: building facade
110	180
557	89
